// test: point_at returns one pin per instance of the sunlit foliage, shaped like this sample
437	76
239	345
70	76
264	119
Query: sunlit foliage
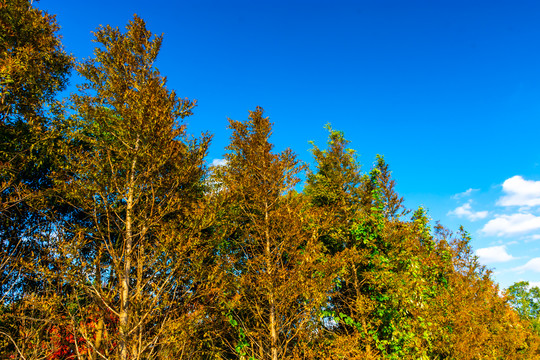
119	242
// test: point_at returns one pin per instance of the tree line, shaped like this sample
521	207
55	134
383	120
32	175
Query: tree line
118	241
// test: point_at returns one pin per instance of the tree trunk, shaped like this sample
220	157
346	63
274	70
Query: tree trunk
124	286
124	289
272	313
101	324
137	345
99	337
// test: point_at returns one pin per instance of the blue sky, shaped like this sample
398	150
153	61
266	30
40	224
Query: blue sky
447	91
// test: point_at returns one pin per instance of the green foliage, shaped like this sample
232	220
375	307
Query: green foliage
132	250
526	300
335	188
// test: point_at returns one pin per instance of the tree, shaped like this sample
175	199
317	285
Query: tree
472	319
33	69
275	262
137	177
33	65
392	202
343	195
526	300
336	188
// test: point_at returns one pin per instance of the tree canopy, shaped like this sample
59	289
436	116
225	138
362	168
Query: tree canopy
118	241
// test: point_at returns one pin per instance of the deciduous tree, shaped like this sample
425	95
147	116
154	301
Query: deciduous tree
33	68
525	300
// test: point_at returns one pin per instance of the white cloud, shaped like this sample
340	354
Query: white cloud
493	254
531	238
520	192
534	284
466	193
511	224
531	265
219	162
467	212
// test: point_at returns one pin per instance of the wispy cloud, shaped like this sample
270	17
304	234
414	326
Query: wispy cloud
466	193
531	265
513	224
465	211
494	254
520	192
219	162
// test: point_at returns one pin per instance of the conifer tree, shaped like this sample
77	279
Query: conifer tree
392	202
341	194
470	317
335	187
276	282
137	176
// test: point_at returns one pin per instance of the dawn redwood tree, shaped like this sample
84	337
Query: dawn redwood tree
131	168
471	317
271	252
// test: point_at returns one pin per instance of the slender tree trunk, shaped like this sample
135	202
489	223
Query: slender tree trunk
99	337
124	286
124	289
101	324
273	327
137	345
271	300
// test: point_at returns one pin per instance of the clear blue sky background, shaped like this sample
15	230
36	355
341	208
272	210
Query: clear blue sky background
447	91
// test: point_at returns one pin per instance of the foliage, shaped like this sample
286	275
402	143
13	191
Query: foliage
275	265
135	176
526	300
127	247
33	64
33	69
